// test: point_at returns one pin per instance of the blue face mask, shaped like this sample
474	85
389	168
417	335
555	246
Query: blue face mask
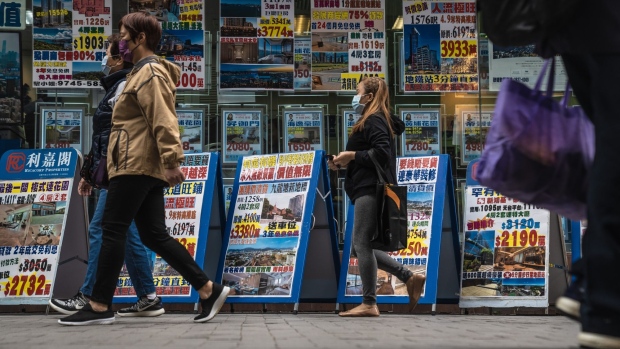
358	107
104	66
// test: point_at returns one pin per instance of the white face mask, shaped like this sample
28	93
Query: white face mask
104	66
357	106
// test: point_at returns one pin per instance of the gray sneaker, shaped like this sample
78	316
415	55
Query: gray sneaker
69	306
144	307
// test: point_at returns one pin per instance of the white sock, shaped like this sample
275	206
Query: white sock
151	296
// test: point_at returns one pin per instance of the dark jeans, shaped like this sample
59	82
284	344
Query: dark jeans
594	78
138	198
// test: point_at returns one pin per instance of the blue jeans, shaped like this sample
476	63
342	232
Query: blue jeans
137	257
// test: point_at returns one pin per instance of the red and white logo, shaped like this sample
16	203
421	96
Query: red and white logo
15	162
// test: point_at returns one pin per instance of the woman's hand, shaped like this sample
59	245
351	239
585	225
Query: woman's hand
174	176
84	188
331	165
343	159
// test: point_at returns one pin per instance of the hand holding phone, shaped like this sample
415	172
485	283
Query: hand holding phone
330	158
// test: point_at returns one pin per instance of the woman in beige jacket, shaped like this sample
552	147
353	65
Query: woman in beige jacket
144	156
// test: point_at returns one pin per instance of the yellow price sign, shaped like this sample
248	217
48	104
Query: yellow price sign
245	231
459	48
275	27
89	42
520	238
275	31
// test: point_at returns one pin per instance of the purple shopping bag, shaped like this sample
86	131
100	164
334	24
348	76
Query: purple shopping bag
537	150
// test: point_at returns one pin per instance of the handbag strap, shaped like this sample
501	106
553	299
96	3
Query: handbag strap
567	93
380	173
550	80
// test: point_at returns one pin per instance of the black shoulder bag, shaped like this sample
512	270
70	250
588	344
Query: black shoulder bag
391	232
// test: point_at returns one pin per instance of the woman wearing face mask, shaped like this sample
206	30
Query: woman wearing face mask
375	130
144	157
115	70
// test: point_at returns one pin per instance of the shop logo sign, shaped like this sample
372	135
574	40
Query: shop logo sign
15	162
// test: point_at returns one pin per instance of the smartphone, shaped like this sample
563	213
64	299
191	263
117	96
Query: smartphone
329	157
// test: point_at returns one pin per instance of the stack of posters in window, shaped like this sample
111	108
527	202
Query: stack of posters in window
303	130
476	126
62	128
10	78
422	136
190	129
519	63
350	118
303	64
348	43
441	46
257	45
69	42
182	38
243	134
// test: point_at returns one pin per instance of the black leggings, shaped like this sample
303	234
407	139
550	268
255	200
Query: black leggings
139	198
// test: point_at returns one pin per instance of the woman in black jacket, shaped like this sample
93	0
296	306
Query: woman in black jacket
374	131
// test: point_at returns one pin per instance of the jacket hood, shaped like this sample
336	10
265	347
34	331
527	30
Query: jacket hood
398	125
173	69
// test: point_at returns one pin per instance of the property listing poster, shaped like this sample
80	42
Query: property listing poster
348	43
228	189
506	250
483	49
422	136
182	38
441	45
183	204
69	42
303	129
350	118
62	128
243	132
475	126
11	72
33	214
419	174
190	127
303	64
257	45
522	64
268	215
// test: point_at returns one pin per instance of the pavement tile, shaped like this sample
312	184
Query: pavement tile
288	331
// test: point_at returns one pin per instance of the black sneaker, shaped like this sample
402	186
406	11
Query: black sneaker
569	303
212	305
69	306
144	307
87	316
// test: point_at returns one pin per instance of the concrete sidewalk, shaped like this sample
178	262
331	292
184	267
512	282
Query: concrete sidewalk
314	330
